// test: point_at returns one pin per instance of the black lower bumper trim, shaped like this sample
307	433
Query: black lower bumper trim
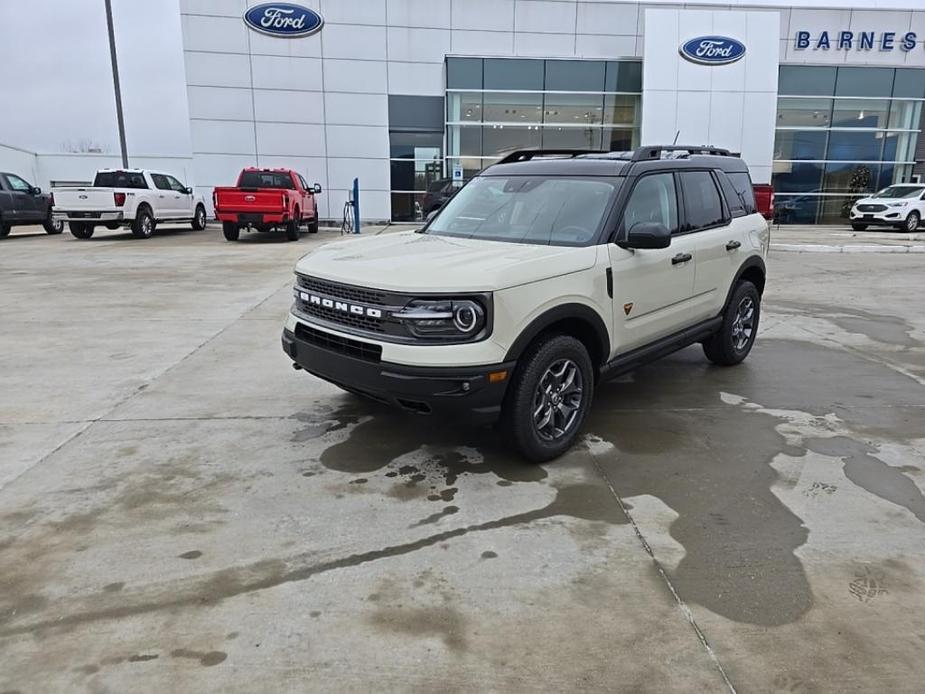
463	390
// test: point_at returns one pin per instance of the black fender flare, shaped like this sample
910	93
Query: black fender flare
574	311
751	262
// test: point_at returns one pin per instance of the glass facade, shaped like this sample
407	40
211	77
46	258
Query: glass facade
495	106
842	133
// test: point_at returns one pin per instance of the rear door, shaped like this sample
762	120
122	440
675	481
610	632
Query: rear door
717	222
652	288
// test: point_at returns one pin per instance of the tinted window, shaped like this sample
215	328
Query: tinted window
160	181
16	183
464	73
624	76
507	73
574	75
654	199
702	204
528	209
806	81
734	200
175	185
266	179
742	183
864	81
120	179
909	82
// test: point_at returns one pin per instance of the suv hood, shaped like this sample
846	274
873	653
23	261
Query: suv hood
408	261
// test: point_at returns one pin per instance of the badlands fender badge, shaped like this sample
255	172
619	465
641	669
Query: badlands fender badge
627	308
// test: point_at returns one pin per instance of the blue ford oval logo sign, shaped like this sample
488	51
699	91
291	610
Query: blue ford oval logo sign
712	50
283	19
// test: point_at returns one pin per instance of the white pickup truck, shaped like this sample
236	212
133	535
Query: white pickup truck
135	198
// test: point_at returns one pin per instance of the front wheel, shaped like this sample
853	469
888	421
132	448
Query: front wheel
80	230
4	230
313	225
858	227
734	340
549	398
912	221
52	227
199	219
230	230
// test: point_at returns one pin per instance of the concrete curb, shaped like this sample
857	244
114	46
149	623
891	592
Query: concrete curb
851	248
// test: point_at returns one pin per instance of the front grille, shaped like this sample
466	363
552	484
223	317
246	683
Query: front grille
871	208
340	317
347	292
339	345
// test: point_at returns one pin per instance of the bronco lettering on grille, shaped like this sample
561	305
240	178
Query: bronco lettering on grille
337	305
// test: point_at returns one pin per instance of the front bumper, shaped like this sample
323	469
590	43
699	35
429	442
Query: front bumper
466	390
890	216
86	216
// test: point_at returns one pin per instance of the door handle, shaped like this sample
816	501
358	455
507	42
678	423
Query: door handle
681	258
732	245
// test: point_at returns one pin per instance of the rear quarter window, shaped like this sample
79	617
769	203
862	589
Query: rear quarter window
742	183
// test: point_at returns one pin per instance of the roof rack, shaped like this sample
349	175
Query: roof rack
655	151
528	154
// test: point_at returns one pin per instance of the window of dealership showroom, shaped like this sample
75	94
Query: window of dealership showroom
842	133
497	105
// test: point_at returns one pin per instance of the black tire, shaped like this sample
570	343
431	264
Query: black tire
526	396
112	226
4	229
734	340
858	227
230	230
199	218
143	225
292	228
52	227
912	222
313	225
81	230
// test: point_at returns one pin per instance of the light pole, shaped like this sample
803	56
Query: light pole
115	83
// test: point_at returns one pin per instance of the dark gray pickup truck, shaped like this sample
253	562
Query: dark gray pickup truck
24	203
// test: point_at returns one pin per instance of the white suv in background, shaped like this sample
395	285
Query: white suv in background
135	198
901	205
545	274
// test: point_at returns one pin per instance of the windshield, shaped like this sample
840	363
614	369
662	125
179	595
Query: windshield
119	179
266	179
900	192
528	209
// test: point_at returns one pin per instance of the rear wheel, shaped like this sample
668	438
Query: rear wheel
230	230
292	227
80	230
51	226
912	221
143	226
858	227
734	340
549	398
199	219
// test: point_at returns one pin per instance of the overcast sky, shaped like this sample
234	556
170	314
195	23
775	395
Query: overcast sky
56	92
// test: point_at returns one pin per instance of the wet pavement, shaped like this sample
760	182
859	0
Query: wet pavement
181	511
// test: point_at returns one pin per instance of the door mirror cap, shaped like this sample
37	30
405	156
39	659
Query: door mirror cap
188	190
647	235
35	190
316	188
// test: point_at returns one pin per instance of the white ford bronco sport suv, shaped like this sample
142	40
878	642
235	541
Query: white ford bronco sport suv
545	274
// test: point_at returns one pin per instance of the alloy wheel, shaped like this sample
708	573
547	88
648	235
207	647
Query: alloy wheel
557	400
743	325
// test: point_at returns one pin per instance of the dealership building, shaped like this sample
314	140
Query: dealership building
411	96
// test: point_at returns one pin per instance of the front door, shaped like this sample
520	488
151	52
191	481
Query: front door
26	206
652	288
182	205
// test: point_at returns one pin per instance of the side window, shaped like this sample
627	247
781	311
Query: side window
733	199
702	204
742	182
175	185
160	181
302	181
16	183
654	199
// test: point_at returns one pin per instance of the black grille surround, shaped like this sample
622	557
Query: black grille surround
871	208
369	312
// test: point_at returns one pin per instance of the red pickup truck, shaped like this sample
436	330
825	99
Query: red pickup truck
266	199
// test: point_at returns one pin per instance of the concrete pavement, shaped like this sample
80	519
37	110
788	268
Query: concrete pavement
181	511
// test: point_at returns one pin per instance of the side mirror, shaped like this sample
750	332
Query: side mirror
188	190
316	188
431	214
36	190
647	235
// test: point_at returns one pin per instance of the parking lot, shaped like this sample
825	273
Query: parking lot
177	504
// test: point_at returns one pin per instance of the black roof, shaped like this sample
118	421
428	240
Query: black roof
585	163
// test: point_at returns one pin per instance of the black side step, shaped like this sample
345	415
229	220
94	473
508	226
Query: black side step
633	359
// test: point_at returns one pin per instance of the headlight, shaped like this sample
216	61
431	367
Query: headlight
901	203
448	319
